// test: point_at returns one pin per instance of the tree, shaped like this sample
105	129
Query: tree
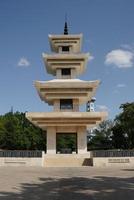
100	137
123	130
16	132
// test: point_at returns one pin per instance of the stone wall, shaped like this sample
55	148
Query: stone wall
113	162
13	161
68	160
21	158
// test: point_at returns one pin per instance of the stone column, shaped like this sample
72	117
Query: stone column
73	73
76	105
81	140
56	105
51	140
58	73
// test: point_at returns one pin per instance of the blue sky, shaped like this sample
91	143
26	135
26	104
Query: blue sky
108	30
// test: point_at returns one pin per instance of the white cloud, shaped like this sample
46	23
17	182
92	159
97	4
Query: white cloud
23	62
91	57
118	87
127	46
102	107
121	85
120	58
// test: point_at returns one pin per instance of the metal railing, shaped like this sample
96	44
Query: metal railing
113	153
21	153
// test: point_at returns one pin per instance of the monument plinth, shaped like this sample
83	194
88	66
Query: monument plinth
66	94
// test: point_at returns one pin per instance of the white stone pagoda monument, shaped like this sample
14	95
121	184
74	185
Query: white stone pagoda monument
66	93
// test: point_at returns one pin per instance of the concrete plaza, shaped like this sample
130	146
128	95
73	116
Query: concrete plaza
85	183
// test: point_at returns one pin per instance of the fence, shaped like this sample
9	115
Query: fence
38	154
113	153
23	154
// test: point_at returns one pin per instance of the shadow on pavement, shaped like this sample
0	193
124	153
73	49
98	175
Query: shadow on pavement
75	188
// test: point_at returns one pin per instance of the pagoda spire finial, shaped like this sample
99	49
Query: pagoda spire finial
65	26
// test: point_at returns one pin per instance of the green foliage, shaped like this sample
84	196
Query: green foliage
123	131
100	137
16	132
118	134
66	141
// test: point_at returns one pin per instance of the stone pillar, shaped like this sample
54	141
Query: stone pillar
71	49
58	73
51	140
76	105
73	73
56	105
81	140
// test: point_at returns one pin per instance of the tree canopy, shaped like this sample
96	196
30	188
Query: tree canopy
123	130
100	137
117	134
17	133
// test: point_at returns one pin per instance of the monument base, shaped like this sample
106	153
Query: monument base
67	160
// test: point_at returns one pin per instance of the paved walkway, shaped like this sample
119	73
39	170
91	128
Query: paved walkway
86	183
